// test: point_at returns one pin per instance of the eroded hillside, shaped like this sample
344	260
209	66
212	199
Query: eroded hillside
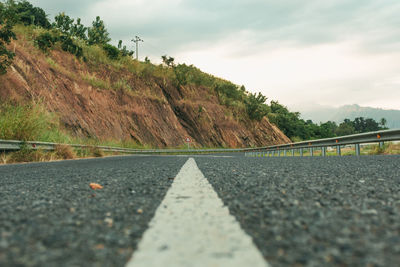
111	101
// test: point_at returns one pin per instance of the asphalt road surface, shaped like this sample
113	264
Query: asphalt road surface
334	211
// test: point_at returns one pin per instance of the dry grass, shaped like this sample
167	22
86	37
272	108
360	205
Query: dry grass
28	155
3	158
64	152
393	148
61	152
96	152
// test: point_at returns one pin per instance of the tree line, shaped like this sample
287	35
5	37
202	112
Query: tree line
298	129
67	31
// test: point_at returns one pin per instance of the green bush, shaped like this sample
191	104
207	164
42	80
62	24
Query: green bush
124	51
69	45
45	41
229	90
185	74
111	51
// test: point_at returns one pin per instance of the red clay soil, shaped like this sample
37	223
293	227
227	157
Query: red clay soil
153	112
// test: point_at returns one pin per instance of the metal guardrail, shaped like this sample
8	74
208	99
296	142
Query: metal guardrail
13	145
323	144
336	142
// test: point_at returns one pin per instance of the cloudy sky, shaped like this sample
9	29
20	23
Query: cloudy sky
299	52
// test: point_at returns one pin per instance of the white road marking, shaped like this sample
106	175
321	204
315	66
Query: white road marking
192	227
204	156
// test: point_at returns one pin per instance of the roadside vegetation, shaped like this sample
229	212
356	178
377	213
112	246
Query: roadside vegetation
298	129
389	148
30	122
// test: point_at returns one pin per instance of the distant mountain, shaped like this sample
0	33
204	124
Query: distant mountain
326	113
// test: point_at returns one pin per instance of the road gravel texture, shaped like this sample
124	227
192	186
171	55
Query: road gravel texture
49	216
314	211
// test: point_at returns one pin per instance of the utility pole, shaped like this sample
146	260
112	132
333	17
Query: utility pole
137	40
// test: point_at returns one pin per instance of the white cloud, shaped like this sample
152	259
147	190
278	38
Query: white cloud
333	74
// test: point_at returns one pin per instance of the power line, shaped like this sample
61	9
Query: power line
137	40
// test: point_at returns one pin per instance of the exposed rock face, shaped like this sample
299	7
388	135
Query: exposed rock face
152	112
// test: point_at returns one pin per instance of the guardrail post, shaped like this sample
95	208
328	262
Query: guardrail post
338	150
358	149
301	152
284	153
311	152
324	151
292	152
381	144
279	153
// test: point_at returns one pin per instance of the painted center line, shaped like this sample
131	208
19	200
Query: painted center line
206	156
192	227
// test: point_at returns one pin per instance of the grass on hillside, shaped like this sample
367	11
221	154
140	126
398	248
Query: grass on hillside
30	122
178	75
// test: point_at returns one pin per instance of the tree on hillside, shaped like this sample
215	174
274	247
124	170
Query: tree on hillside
30	15
98	34
287	121
123	50
7	21
256	107
63	23
66	25
168	61
79	30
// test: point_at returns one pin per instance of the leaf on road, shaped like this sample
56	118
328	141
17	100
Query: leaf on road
99	246
95	186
